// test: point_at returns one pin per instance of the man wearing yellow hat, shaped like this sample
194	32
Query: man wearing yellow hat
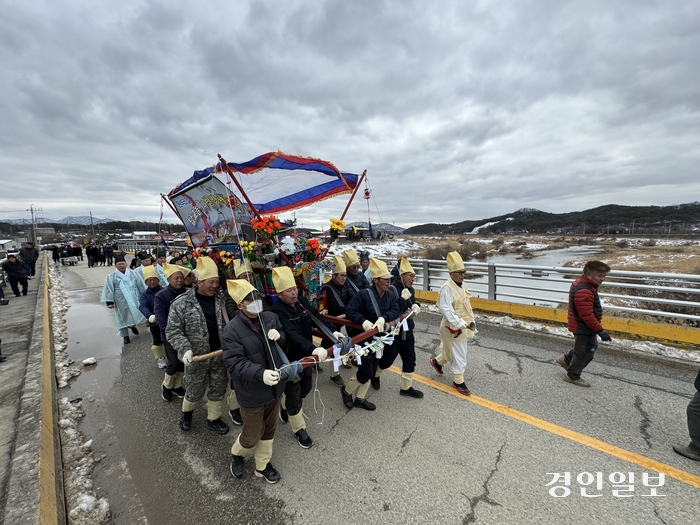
295	313
253	363
194	328
337	301
376	306
174	367
457	325
356	280
404	343
146	307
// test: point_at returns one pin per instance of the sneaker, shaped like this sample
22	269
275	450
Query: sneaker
363	403
236	417
161	362
338	381
218	426
269	473
237	464
303	438
686	452
462	388
347	398
376	384
167	394
127	340
411	392
134	330
577	382
436	366
179	392
284	417
186	421
562	363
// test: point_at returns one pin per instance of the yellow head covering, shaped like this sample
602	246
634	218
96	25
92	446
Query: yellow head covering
148	272
405	267
283	279
339	265
243	267
206	268
378	269
350	257
454	262
169	269
185	270
238	289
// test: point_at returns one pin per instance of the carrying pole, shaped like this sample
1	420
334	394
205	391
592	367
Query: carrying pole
240	188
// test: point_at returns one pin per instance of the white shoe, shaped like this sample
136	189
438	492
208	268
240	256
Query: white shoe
161	362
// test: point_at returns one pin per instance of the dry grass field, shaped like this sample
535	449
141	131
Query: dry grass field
639	254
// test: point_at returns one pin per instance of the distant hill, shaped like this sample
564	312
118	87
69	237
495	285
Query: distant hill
611	218
83	220
380	226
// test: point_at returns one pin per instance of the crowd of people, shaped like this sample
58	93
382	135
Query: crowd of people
216	335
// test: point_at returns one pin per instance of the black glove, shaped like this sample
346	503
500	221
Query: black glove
605	336
472	326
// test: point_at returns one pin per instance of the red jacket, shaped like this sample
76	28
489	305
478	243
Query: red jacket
585	311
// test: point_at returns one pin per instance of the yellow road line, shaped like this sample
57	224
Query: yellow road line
621	453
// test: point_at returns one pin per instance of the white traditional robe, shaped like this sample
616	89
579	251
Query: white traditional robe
124	290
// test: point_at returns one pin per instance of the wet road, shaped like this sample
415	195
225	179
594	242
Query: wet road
443	459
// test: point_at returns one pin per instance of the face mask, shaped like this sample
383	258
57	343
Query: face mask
255	307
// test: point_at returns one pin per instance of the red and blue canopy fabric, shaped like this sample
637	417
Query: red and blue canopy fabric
276	182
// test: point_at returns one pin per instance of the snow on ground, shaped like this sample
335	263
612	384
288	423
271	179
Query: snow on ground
646	347
387	248
82	503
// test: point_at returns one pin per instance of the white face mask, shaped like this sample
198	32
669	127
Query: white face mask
255	307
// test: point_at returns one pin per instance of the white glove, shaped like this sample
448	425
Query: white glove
415	309
339	335
405	294
273	335
367	326
321	354
271	378
462	324
152	319
380	324
187	358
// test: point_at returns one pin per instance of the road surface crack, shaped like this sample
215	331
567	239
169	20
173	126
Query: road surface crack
646	423
485	495
494	371
407	440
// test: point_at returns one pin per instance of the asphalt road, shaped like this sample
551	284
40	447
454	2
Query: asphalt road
444	459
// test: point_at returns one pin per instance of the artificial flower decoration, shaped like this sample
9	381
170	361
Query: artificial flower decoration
266	227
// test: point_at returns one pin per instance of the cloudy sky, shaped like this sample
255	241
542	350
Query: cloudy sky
457	110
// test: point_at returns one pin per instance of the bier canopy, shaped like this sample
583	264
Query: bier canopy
276	182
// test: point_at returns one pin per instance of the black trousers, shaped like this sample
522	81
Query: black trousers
172	364
32	268
406	348
296	392
15	282
155	334
581	355
367	369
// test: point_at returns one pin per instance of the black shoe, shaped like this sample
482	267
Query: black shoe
179	392
338	381
411	392
347	398
303	438
186	421
2	358
269	473
686	452
134	330
462	388
236	417
363	403
18	295
218	426
127	340
237	464
376	384
436	366
24	292
167	393
284	417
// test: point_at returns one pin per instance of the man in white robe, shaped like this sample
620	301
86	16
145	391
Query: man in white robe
121	292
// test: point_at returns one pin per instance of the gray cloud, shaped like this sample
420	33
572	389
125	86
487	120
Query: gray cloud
457	110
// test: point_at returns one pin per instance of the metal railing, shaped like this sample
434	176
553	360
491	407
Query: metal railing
668	295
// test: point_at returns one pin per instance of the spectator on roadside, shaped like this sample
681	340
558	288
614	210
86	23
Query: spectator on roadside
29	255
55	255
692	451
16	272
585	314
109	253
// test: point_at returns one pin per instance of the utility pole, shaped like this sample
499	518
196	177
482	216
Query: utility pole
32	209
92	228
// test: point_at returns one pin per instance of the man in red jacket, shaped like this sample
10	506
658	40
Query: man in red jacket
585	313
